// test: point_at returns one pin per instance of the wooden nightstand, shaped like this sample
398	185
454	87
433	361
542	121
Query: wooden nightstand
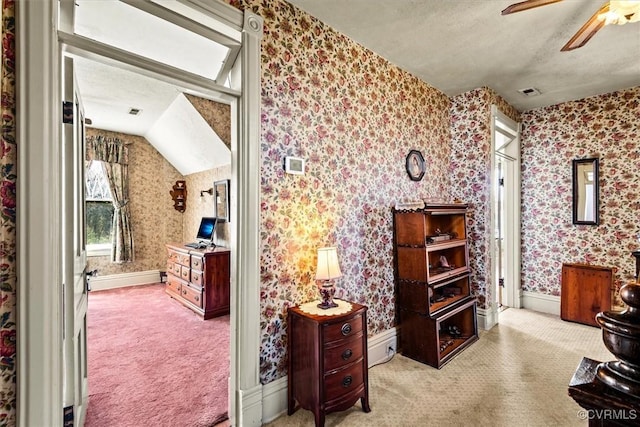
327	359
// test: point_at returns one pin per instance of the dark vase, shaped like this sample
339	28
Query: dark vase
621	336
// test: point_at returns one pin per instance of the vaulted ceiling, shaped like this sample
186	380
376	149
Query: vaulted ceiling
119	100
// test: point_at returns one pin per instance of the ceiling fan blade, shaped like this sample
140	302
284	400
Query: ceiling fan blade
588	30
526	5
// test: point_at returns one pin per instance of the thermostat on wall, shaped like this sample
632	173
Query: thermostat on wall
294	165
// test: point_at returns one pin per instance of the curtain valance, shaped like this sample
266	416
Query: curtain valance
106	149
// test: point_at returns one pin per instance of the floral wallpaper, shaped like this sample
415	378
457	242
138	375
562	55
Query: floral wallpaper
203	206
8	160
471	178
153	219
354	117
605	126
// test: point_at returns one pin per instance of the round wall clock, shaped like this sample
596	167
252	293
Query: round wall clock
415	165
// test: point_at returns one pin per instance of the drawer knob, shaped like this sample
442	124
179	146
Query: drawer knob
346	329
346	355
346	381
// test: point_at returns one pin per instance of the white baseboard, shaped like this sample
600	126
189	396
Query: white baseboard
541	302
274	399
378	346
112	281
274	394
250	410
487	319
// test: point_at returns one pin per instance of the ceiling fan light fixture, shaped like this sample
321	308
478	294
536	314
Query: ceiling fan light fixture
621	11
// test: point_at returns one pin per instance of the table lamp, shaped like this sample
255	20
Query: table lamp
328	269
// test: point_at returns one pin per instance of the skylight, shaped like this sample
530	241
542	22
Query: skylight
128	28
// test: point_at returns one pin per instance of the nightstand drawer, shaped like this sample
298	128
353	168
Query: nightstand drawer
343	381
192	295
341	330
344	353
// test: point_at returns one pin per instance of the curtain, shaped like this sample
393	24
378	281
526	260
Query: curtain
114	155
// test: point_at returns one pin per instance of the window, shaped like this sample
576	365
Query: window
99	210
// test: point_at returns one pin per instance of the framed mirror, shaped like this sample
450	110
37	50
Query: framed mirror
586	192
221	192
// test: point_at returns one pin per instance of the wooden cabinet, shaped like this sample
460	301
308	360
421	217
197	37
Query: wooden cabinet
199	279
585	291
327	360
436	312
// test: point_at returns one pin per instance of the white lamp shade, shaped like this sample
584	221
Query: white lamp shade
328	267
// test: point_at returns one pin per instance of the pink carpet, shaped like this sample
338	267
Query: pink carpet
153	362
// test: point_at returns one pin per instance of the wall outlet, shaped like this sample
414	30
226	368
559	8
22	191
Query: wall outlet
391	351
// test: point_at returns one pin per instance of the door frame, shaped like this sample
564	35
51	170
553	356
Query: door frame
511	216
39	199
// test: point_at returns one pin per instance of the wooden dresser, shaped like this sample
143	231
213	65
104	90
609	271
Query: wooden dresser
328	369
199	278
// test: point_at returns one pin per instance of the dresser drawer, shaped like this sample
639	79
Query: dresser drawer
184	259
196	277
340	330
192	295
196	262
174	284
344	353
343	381
176	269
179	258
185	273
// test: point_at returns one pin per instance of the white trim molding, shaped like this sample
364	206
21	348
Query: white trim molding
541	302
378	346
274	399
246	403
112	281
39	242
487	318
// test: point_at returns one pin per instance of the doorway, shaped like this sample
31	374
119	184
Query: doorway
123	103
40	307
154	223
506	211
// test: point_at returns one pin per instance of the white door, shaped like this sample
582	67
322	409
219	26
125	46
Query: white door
75	383
506	211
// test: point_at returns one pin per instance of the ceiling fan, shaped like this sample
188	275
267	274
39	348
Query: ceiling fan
612	12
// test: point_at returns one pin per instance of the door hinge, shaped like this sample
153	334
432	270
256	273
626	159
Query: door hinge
501	282
67	419
502	182
67	112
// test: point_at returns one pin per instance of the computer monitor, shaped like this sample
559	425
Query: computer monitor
207	227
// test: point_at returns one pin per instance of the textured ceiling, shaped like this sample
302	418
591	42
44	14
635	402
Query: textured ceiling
459	45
